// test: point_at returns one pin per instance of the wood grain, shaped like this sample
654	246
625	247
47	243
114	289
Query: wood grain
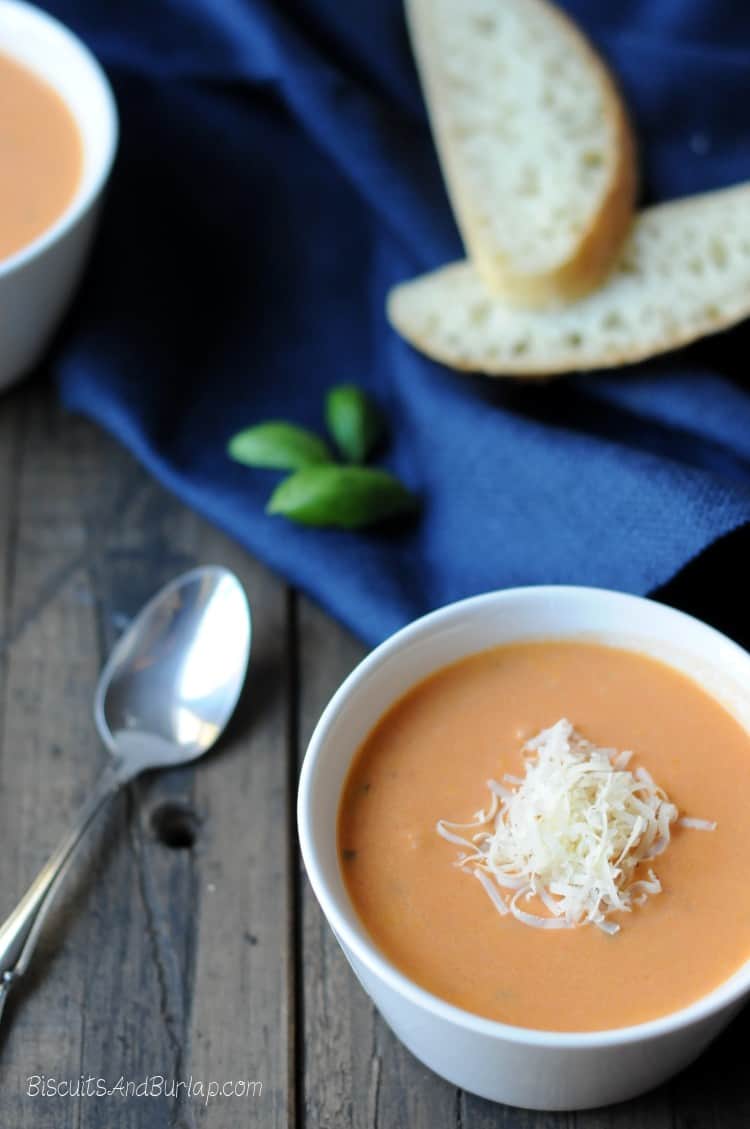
158	960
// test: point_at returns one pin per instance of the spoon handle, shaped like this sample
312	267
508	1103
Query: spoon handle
20	931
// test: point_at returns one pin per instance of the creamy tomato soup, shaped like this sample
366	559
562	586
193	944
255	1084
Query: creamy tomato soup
429	759
41	156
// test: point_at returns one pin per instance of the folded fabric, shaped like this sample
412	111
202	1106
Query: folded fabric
276	176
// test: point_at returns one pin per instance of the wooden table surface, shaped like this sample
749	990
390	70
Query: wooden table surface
187	942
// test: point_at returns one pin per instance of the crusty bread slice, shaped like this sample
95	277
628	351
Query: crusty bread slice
683	272
534	143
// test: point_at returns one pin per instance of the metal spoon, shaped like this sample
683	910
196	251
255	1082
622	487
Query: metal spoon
163	699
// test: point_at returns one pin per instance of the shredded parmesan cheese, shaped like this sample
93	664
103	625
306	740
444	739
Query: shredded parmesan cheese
570	834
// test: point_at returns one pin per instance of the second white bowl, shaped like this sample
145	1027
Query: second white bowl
38	282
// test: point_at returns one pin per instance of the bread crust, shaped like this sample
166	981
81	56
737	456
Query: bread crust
592	257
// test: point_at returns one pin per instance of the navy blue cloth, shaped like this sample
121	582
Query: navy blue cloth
276	176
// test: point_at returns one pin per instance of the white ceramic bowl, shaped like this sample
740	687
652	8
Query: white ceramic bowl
38	282
518	1066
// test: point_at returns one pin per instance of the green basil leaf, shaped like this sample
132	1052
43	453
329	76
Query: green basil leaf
354	421
345	497
276	445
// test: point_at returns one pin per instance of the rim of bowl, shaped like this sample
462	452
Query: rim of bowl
727	992
82	199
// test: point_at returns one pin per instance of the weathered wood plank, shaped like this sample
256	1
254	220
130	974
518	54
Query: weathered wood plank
356	1073
244	1001
159	960
653	1111
50	665
650	1112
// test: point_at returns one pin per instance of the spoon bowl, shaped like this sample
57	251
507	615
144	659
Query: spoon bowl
173	679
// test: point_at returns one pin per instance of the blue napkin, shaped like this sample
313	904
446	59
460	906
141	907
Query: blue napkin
276	177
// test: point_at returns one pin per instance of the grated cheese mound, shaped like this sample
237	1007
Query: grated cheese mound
571	834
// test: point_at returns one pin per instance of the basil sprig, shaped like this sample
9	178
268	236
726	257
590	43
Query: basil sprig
348	497
277	445
320	491
354	421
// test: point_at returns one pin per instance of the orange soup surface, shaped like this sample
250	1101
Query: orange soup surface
429	759
41	156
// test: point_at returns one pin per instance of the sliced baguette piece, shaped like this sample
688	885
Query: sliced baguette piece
534	143
684	272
